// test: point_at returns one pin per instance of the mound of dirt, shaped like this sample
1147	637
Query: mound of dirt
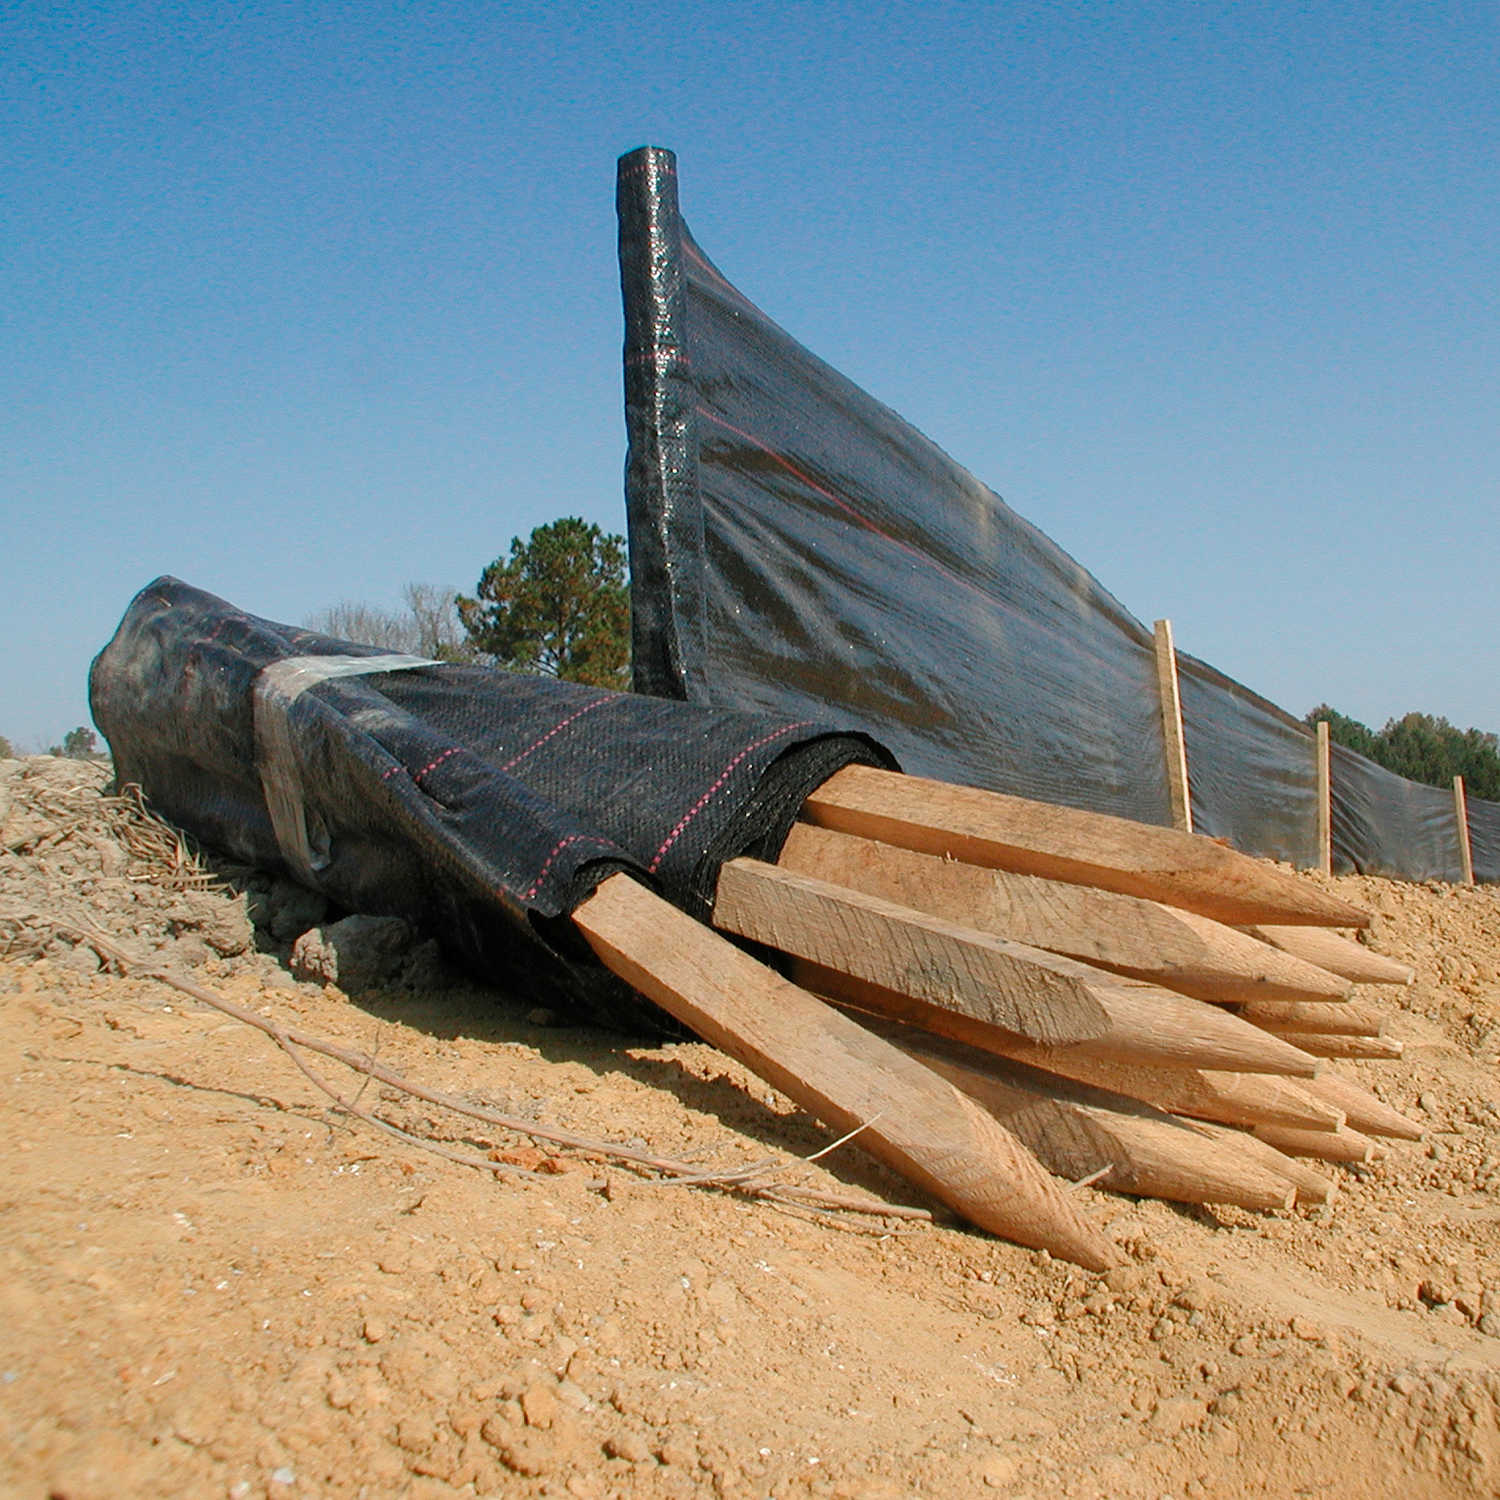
215	1284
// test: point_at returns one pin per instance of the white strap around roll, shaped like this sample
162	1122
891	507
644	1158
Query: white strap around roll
277	687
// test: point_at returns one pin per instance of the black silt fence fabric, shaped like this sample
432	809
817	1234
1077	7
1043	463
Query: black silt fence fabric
797	547
1484	838
1252	768
482	805
1386	825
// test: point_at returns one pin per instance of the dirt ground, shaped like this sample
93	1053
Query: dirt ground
213	1285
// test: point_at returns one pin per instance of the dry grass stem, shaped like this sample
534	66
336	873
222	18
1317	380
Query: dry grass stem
167	856
1092	1178
752	1181
162	854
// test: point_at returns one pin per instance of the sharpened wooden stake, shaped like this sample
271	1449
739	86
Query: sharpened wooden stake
1342	1018
1325	799
1147	1030
1036	996
1365	1112
1227	1098
1323	1145
1461	816
907	1116
1326	1044
1246	1099
1174	741
1338	955
1081	1132
1311	1187
1143	939
1064	843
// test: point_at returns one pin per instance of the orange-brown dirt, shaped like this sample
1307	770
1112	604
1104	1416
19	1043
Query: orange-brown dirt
211	1284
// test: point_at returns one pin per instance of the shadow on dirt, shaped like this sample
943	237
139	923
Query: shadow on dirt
493	1017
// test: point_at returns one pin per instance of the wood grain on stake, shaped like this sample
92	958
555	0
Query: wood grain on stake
1229	1097
965	927
1078	1131
913	1120
1325	800
1328	950
1311	1186
1352	1018
1178	789
1326	1145
1063	843
1364	1111
1326	1044
1007	986
1461	817
1160	944
1037	995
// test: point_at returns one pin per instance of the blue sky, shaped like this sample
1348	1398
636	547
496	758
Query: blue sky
301	303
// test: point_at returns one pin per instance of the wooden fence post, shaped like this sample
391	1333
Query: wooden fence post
1171	728
1325	800
1461	812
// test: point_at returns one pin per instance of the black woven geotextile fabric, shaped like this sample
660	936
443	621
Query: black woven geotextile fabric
482	805
664	516
1384	824
1484	838
1252	768
797	547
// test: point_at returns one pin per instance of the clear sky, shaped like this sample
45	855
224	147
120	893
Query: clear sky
302	302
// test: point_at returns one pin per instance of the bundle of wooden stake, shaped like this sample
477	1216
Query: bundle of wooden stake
1003	993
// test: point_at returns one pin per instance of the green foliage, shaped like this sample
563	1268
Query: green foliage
1345	731
80	743
7	752
1423	748
559	605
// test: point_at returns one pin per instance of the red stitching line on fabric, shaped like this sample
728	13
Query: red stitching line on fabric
708	796
698	258
641	168
825	492
434	764
572	838
535	745
558	728
915	553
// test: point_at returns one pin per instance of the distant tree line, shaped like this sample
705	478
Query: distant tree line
1422	747
428	625
77	744
558	606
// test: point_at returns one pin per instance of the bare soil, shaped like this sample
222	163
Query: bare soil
212	1284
